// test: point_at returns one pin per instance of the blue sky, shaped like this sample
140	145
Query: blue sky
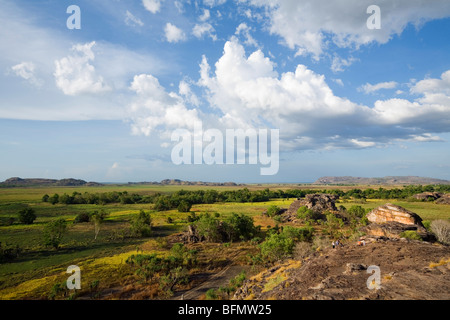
100	103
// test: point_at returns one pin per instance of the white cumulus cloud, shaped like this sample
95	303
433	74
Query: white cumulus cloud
308	26
155	109
173	33
250	93
75	74
200	30
152	6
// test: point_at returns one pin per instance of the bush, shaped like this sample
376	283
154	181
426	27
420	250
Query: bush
299	234
53	232
211	294
192	217
273	211
356	211
441	229
8	253
306	214
184	206
209	228
141	224
240	227
27	216
98	217
276	247
427	224
81	218
410	234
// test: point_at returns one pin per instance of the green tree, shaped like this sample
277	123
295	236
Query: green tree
97	217
239	227
141	224
273	210
209	228
304	213
184	206
54	199
53	232
357	211
276	247
27	216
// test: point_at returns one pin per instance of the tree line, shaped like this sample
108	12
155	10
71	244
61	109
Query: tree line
184	199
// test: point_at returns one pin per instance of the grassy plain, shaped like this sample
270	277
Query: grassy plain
38	268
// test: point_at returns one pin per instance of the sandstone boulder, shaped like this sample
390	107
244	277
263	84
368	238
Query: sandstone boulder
393	213
391	221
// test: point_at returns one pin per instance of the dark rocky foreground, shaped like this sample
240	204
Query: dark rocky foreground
408	270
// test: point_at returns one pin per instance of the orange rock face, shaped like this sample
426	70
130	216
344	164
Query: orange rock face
393	213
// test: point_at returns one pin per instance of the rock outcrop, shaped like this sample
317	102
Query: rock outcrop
445	199
411	270
393	213
318	202
391	221
428	196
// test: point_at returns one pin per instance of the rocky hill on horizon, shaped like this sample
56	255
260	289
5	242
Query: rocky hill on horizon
389	180
38	182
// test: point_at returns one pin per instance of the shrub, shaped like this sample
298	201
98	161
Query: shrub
240	227
306	214
237	281
162	204
192	217
8	253
299	234
141	224
273	210
98	217
410	234
53	232
183	254
81	218
276	247
333	225
357	211
184	206
441	229
209	228
211	294
27	216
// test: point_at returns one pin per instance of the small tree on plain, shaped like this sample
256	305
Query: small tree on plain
98	218
54	232
27	216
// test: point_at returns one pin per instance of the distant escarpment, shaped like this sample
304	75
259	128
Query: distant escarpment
19	182
177	182
394	180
